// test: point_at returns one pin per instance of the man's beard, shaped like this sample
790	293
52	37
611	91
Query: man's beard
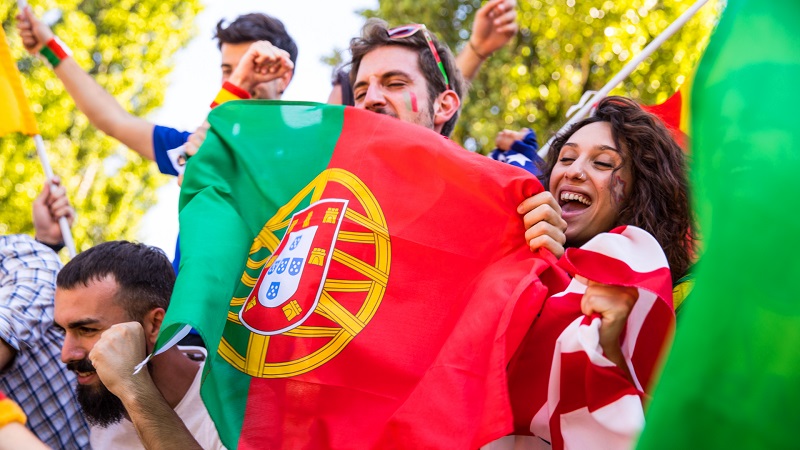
100	407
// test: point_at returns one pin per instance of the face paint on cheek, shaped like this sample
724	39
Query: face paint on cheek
617	189
411	101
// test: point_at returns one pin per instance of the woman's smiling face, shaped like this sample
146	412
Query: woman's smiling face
590	182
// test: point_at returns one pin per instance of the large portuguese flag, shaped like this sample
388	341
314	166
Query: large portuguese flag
360	282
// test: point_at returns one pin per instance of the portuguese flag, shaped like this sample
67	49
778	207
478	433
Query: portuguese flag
733	378
360	282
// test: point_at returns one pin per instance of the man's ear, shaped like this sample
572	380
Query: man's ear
151	324
285	80
447	105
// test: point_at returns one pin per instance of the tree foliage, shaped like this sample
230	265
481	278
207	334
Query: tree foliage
563	48
126	45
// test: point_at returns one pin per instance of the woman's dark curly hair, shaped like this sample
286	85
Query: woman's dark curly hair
659	198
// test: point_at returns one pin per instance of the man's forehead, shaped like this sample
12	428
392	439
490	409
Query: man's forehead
388	59
97	294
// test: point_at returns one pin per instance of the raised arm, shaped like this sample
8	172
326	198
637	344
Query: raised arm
102	109
495	24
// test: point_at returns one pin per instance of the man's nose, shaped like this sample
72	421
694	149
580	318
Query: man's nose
374	98
72	350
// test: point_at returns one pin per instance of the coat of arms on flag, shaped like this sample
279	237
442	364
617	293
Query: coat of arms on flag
291	282
304	297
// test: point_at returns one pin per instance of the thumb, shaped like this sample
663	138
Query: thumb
42	197
27	12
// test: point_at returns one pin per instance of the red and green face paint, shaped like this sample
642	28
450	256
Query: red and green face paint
411	101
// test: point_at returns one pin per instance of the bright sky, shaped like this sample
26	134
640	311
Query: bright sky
317	26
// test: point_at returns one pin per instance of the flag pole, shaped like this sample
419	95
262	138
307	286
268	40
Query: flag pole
66	233
626	71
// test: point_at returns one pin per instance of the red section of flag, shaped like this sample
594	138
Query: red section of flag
429	369
562	387
672	112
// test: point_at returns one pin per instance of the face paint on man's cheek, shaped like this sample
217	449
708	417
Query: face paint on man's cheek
617	189
411	101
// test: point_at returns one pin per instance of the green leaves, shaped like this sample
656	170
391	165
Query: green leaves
564	47
127	46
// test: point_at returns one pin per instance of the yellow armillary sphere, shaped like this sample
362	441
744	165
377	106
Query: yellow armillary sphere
304	297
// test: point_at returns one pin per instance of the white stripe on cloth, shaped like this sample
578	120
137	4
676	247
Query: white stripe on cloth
616	423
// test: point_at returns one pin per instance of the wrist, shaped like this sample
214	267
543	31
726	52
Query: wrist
10	412
55	51
55	244
481	55
228	92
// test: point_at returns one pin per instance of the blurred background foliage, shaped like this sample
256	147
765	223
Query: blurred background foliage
127	46
563	48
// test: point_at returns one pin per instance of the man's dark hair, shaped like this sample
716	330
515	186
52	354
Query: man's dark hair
144	274
256	27
375	35
341	78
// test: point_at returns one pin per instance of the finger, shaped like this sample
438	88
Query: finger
543	228
57	191
505	18
69	213
530	203
546	242
486	9
41	199
510	29
544	213
587	306
60	208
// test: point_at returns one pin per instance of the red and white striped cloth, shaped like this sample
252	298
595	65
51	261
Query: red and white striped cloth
565	393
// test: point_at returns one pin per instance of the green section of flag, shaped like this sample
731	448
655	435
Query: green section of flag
733	377
226	389
217	233
284	158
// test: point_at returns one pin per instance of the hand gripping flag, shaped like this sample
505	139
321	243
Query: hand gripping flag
360	282
15	114
564	391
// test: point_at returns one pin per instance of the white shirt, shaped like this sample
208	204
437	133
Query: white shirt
122	435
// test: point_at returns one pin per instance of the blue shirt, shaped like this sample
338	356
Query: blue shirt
164	139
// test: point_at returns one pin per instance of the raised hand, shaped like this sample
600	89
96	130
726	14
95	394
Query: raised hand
34	33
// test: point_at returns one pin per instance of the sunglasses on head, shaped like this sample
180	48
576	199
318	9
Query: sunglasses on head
405	31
